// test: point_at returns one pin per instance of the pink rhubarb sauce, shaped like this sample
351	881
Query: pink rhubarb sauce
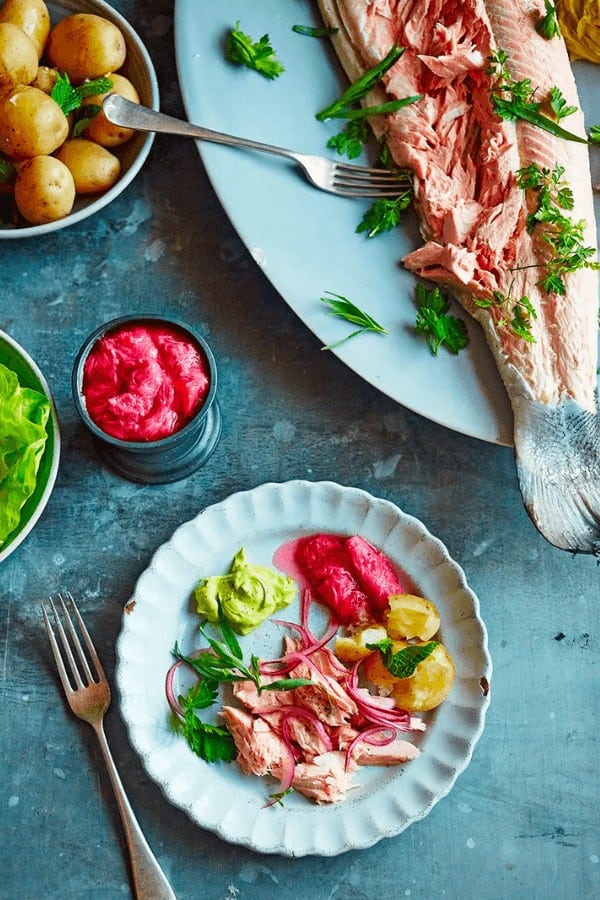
347	574
144	381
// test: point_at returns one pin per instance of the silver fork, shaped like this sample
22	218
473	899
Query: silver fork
88	695
327	174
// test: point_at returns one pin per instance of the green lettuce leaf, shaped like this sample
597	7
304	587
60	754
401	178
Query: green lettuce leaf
24	414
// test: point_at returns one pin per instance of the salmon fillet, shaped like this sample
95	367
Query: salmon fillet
473	217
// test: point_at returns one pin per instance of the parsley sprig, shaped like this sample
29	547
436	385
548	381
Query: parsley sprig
344	309
258	55
512	100
564	236
209	742
434	323
548	25
221	663
351	140
518	313
385	213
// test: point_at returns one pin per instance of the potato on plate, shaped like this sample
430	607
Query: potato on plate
425	689
410	616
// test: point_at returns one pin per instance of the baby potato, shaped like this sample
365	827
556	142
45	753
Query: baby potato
31	123
86	46
353	646
44	190
94	168
410	616
45	79
32	17
100	129
429	685
425	689
18	56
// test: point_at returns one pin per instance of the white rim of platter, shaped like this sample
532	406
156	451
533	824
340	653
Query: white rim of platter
219	797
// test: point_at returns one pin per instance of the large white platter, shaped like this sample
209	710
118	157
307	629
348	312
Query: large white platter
303	239
218	796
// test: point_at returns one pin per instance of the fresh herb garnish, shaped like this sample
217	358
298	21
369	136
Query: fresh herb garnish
365	112
278	796
226	663
519	312
512	100
209	742
344	309
258	55
548	25
351	140
310	31
84	117
564	236
385	213
70	98
594	134
222	662
403	663
7	171
345	106
558	104
434	323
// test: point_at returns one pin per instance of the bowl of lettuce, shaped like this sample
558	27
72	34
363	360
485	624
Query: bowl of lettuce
29	444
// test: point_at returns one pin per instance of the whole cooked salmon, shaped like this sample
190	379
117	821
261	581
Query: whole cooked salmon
489	193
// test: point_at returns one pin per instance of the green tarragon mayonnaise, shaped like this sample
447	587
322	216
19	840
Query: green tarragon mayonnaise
247	595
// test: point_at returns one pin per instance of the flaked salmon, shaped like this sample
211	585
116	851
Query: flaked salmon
484	233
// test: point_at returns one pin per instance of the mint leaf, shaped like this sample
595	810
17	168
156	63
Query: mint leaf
403	663
70	98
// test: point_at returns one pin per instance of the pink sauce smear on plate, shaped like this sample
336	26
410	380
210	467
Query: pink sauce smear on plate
144	381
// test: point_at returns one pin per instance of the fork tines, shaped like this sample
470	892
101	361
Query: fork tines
70	638
368	182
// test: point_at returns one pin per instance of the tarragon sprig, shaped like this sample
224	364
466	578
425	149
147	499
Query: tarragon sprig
344	309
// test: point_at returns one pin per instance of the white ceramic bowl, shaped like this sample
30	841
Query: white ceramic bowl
139	69
14	357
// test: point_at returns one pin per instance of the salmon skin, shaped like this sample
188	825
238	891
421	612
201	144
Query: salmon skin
473	209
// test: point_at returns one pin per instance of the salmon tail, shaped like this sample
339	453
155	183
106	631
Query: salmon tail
557	450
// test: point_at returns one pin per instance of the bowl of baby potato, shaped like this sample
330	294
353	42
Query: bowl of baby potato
61	160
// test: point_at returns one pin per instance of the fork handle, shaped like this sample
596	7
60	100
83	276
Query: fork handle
149	880
123	112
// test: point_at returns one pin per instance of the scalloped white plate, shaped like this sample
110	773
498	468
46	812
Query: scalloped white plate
219	797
